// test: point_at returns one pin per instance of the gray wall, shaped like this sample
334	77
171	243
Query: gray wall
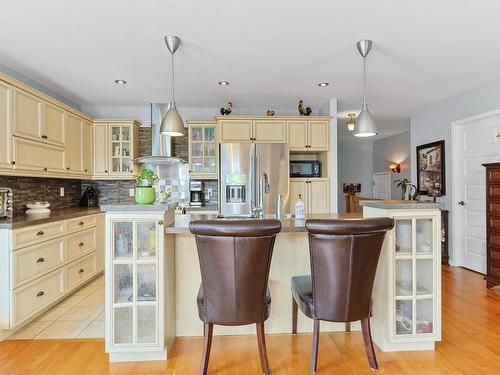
20	77
393	149
355	164
434	124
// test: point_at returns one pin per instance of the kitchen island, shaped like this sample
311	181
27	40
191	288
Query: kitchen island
153	277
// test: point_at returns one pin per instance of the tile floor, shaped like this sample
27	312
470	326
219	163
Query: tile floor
81	315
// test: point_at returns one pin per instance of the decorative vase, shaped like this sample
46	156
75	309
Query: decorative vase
145	195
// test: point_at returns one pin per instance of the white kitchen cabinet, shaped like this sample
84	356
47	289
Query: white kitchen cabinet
135	282
314	192
5	126
27	115
407	290
115	148
74	159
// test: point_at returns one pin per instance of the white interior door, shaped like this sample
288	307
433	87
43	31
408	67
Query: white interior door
475	143
382	185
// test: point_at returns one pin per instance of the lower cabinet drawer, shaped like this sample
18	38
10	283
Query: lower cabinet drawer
34	235
80	270
35	260
33	297
81	223
80	243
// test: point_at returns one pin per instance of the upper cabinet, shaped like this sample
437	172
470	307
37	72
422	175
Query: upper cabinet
54	124
87	147
74	164
257	131
308	135
27	120
116	146
203	149
5	126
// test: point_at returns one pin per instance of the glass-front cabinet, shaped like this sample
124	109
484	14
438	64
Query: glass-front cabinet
203	149
407	292
135	282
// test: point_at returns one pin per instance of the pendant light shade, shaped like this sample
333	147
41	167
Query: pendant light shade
365	123
172	124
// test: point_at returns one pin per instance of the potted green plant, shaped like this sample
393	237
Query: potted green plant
144	192
405	186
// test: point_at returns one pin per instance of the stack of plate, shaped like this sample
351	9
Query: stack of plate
37	208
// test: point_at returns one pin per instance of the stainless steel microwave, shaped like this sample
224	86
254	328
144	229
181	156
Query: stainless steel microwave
305	168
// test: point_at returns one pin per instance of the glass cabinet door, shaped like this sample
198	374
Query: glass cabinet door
121	151
135	281
203	151
414	281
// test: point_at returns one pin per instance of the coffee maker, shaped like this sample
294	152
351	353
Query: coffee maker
196	193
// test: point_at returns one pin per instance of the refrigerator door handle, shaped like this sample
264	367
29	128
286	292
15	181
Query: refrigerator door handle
267	187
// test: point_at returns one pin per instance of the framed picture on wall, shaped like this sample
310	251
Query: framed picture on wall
430	168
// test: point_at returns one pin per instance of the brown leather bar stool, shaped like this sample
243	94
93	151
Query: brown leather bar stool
344	256
235	256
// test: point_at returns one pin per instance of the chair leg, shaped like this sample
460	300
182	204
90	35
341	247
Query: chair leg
348	327
295	310
207	344
261	339
315	344
367	337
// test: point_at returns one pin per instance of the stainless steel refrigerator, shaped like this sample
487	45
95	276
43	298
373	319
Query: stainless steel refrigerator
252	175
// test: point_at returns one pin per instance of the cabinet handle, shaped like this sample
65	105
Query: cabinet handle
44	136
67	168
81	223
85	170
40	293
81	244
40	260
45	169
81	270
160	222
40	233
106	171
13	162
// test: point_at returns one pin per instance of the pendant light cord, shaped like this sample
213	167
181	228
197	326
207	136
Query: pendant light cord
364	82
173	75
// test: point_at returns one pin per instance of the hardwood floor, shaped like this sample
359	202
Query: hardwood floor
471	345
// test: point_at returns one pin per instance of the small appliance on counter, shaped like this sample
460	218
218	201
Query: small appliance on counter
6	204
305	168
196	193
38	208
90	197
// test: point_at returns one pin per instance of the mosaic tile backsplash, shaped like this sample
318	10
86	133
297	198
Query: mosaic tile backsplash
27	189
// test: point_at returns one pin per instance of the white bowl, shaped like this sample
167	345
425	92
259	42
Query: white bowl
38	205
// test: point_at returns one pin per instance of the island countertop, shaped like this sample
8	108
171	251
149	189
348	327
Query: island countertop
287	224
401	205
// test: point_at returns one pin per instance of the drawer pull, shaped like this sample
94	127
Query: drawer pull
40	233
81	223
40	260
45	169
44	136
81	270
81	244
40	293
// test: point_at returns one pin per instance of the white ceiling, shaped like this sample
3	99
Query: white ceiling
272	52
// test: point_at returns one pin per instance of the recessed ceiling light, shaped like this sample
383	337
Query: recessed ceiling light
323	84
223	83
120	82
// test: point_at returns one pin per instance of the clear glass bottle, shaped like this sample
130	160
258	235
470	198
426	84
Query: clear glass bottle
299	208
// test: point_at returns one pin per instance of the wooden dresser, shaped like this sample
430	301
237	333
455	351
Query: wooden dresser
492	224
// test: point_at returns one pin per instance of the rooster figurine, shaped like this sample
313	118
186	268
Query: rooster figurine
304	111
226	111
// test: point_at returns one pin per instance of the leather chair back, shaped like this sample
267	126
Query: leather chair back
344	257
235	256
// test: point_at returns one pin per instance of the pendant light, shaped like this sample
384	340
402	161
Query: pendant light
172	124
365	123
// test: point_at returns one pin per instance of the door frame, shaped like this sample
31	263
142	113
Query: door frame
458	255
388	176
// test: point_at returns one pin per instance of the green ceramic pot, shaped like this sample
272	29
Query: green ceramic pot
145	195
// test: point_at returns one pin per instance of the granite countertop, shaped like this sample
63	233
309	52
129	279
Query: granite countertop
287	225
401	205
23	220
